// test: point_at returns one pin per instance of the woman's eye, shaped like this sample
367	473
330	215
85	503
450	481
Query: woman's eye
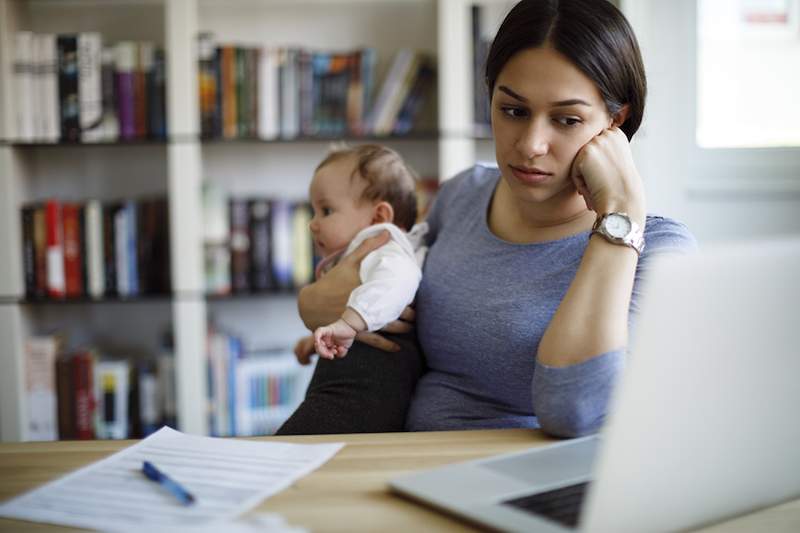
514	112
568	121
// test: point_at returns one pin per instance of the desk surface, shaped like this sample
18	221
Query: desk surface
349	493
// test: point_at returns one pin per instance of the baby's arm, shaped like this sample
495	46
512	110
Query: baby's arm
334	340
304	349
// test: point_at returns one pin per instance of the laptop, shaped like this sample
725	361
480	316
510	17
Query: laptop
704	423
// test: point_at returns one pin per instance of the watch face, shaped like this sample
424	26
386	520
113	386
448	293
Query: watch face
617	226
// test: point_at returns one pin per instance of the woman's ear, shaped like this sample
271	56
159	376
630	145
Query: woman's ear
383	212
621	116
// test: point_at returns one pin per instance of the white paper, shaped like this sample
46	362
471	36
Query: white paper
227	477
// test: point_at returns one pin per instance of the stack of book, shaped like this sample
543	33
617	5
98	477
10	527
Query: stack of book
251	393
70	88
79	394
73	250
270	93
255	244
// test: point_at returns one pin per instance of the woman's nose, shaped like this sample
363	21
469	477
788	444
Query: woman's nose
534	141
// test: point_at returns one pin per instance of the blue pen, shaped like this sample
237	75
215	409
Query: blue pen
154	474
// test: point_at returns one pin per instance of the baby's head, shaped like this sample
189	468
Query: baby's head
355	187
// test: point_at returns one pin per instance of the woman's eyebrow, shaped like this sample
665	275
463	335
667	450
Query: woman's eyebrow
512	94
572	101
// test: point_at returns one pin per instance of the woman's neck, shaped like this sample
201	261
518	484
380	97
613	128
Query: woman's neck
517	221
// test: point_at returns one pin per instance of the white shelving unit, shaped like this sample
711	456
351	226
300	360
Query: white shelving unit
178	166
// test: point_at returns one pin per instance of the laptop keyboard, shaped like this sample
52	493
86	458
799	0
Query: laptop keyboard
561	505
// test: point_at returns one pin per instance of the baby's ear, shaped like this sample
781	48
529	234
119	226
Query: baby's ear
383	212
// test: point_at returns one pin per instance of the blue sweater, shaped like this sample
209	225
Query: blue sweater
482	308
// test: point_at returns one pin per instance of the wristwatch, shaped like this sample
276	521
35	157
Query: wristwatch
618	228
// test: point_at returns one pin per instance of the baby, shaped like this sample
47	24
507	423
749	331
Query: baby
357	193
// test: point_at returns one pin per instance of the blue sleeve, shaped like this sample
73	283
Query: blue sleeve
572	401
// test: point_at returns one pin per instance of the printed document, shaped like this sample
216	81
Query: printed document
227	477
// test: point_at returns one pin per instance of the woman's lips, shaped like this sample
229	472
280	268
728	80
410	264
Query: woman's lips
530	176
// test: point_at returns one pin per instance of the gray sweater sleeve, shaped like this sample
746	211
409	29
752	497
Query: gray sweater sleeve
572	401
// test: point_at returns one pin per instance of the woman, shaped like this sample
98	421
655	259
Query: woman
534	267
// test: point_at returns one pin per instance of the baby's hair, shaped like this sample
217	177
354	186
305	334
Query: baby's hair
387	175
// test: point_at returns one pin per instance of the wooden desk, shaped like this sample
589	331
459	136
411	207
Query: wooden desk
349	493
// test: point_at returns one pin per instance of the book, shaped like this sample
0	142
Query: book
82	383
90	85
40	249
122	251
268	94
260	245
23	85
68	89
281	252
109	128
240	245
55	250
125	63
40	386
65	397
93	237
110	248
207	83
73	271
49	96
111	388
229	97
157	97
302	246
409	111
147	396
29	250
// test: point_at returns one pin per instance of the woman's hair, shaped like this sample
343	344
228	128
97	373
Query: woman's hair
593	34
388	178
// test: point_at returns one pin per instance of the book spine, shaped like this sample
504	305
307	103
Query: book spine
281	244
50	101
121	251
65	393
73	276
29	250
40	365
242	93
132	248
23	84
94	248
82	367
110	127
260	245
83	240
40	250
207	83
90	85
55	250
240	245
415	99
302	246
125	59
69	99
229	102
144	64
109	250
157	97
37	95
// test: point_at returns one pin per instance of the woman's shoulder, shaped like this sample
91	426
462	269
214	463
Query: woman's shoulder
664	234
468	183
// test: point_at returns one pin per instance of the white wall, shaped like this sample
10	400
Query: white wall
721	194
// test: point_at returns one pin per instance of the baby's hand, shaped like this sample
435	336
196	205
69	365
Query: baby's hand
334	340
304	349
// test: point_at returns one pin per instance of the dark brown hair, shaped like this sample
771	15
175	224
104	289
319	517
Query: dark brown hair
388	177
593	34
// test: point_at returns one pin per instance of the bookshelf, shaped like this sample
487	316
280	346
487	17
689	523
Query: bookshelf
177	167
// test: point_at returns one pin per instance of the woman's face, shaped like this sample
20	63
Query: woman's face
543	111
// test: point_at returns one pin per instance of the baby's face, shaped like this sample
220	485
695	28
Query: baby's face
338	212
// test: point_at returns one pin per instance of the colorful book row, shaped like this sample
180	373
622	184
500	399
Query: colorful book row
255	244
73	250
69	88
250	393
80	395
270	93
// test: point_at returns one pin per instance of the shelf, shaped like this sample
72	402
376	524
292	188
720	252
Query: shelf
148	298
412	137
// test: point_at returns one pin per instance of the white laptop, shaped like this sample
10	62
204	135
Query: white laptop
704	423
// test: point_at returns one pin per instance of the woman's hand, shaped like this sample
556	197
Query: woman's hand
605	175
